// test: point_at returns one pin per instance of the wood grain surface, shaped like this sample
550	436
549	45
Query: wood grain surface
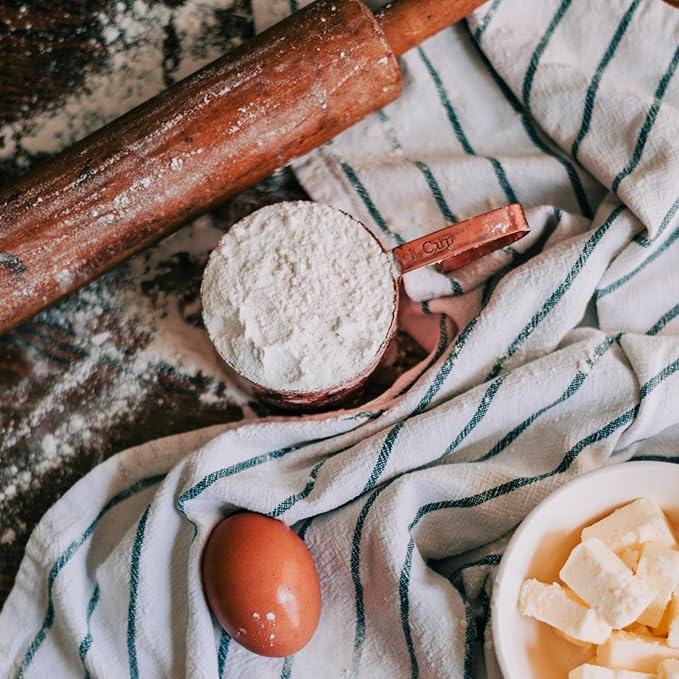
405	22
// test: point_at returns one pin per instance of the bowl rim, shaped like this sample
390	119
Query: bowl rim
620	468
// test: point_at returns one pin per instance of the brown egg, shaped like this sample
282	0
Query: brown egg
262	584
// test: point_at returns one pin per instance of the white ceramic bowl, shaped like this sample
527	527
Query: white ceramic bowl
526	648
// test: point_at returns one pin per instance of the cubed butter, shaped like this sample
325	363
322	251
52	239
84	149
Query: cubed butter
597	672
668	669
661	629
637	628
574	641
634	652
602	580
631	558
638	522
673	622
552	604
659	569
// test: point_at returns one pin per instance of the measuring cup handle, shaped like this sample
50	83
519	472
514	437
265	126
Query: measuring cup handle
464	242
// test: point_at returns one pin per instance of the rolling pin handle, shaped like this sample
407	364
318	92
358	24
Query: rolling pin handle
407	23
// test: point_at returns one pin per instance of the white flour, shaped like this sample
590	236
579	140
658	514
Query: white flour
298	297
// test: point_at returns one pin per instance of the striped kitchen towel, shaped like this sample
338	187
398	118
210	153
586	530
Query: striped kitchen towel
554	356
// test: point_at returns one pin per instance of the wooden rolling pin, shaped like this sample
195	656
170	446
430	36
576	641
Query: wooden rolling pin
208	137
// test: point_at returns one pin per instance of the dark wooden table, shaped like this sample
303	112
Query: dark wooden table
76	382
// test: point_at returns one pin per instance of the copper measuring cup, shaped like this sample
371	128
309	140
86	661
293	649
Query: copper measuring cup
451	248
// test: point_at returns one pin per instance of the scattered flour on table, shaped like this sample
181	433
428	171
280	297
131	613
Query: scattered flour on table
150	336
136	69
8	536
267	14
298	297
129	326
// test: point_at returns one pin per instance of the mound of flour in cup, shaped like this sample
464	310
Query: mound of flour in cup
298	297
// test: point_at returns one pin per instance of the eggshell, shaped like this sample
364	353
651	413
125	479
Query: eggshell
262	584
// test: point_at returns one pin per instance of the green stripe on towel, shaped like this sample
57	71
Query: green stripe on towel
355	562
432	183
223	651
534	135
593	88
664	320
603	292
351	175
647	126
558	294
135	565
574	386
667	219
66	556
483	26
459	132
86	643
539	51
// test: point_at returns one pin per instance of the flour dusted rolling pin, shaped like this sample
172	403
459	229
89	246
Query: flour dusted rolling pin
210	136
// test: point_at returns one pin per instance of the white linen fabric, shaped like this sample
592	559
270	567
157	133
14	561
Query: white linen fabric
555	356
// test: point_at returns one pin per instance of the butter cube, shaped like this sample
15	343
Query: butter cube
659	569
573	640
638	522
636	628
668	669
634	652
631	558
603	581
661	629
587	671
673	623
552	604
